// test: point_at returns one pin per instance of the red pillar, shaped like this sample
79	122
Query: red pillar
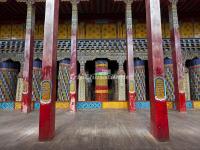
178	68
28	58
130	56
73	65
48	85
159	116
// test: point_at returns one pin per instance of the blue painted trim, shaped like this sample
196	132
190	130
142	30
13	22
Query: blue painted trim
189	105
195	62
101	61
146	105
37	63
36	105
142	105
89	105
138	62
65	61
168	61
7	106
9	64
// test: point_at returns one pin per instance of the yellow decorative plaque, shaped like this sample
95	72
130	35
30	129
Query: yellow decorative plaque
72	87
25	87
160	92
46	92
131	87
181	86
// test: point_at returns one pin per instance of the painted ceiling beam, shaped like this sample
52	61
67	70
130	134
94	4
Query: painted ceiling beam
26	1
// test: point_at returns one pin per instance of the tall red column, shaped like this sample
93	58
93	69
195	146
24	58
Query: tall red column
48	85
178	68
130	56
157	91
73	65
28	58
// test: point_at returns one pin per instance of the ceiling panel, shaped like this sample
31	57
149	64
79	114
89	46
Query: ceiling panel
12	10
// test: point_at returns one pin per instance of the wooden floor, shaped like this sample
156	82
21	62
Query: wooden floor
99	130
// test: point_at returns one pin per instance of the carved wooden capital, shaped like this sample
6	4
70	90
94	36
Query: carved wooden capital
82	62
126	1
173	16
30	19
28	2
173	2
120	62
73	2
82	68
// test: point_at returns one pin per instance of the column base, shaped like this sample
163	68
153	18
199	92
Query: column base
132	97
181	102
159	120
47	121
26	109
26	106
73	102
